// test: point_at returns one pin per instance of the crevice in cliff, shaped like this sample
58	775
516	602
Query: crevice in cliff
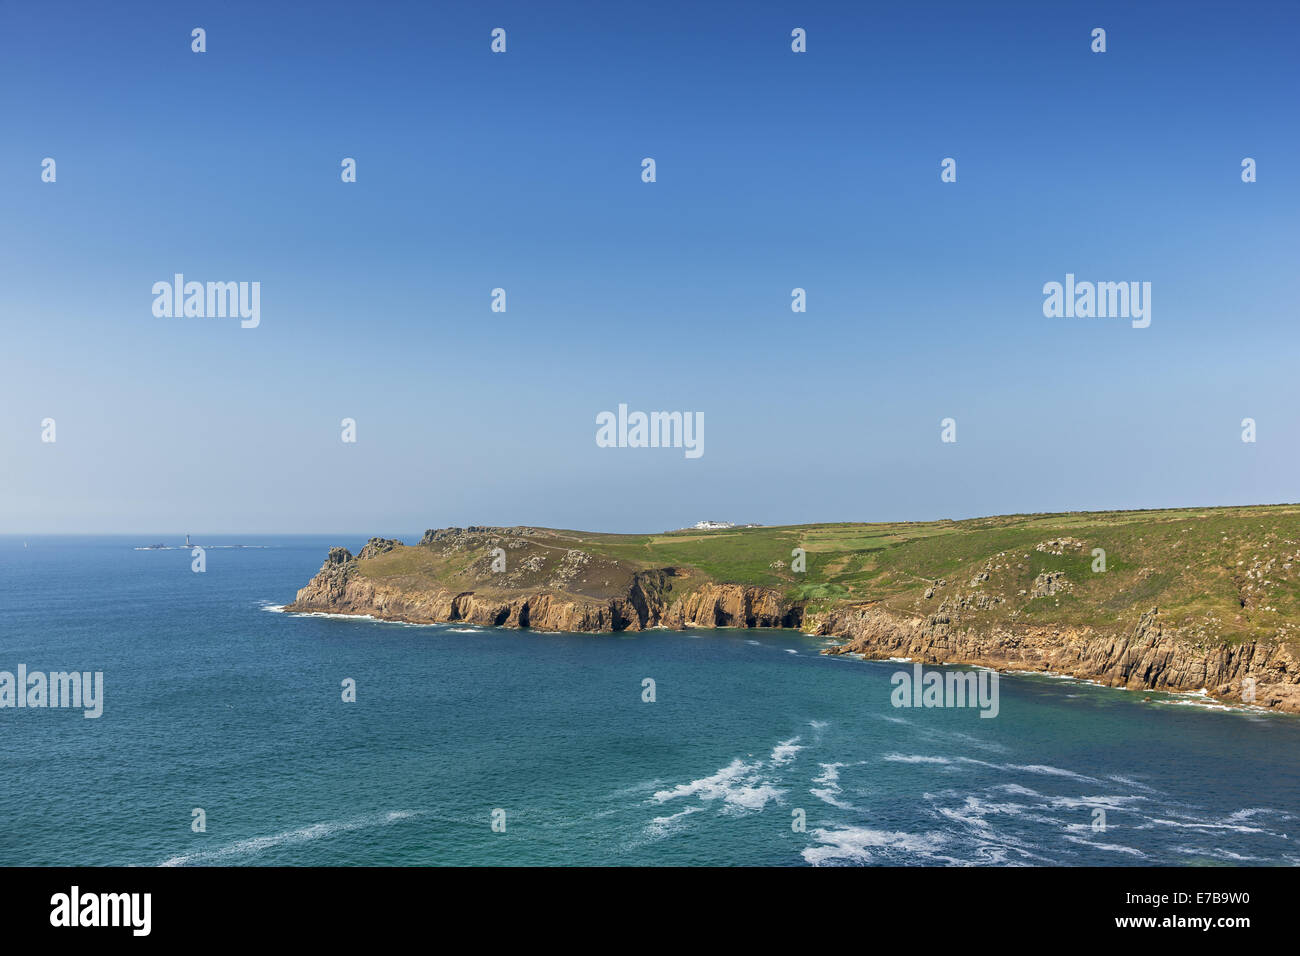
641	598
458	603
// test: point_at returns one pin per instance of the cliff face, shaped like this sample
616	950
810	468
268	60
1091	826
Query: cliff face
451	577
1148	657
338	588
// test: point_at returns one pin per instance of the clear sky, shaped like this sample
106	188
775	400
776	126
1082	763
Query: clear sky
522	170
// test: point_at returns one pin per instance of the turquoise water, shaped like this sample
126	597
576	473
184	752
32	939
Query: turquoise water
215	700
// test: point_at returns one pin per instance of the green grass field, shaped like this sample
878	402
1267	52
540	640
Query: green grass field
1222	573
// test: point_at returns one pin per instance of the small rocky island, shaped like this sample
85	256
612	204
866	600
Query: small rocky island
1180	600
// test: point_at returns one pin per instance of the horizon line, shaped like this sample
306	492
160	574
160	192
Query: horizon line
739	527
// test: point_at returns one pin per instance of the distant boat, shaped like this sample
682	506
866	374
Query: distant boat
187	542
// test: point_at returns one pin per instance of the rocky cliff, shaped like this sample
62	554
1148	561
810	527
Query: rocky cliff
1147	657
340	588
566	581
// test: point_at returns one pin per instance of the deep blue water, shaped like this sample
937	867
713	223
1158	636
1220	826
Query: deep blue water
214	701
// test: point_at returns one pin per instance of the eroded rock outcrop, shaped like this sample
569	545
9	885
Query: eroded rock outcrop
734	605
1146	656
377	546
339	588
1143	654
1049	583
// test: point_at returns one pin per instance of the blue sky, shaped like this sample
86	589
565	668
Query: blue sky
775	170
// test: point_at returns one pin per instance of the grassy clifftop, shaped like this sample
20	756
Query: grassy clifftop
1222	574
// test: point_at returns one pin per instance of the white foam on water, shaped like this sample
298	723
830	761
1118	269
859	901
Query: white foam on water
754	798
966	739
662	826
1015	788
330	615
1053	675
1217	853
785	751
1130	782
863	845
739	785
368	618
1105	801
830	790
991	846
1099	801
1109	847
915	758
1236	828
742	785
1051	772
1253	811
1041	769
830	774
977	808
830	797
1015	823
1205	704
1034	768
637	789
254	846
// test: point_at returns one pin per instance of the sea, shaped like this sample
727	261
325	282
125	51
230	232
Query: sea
233	733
